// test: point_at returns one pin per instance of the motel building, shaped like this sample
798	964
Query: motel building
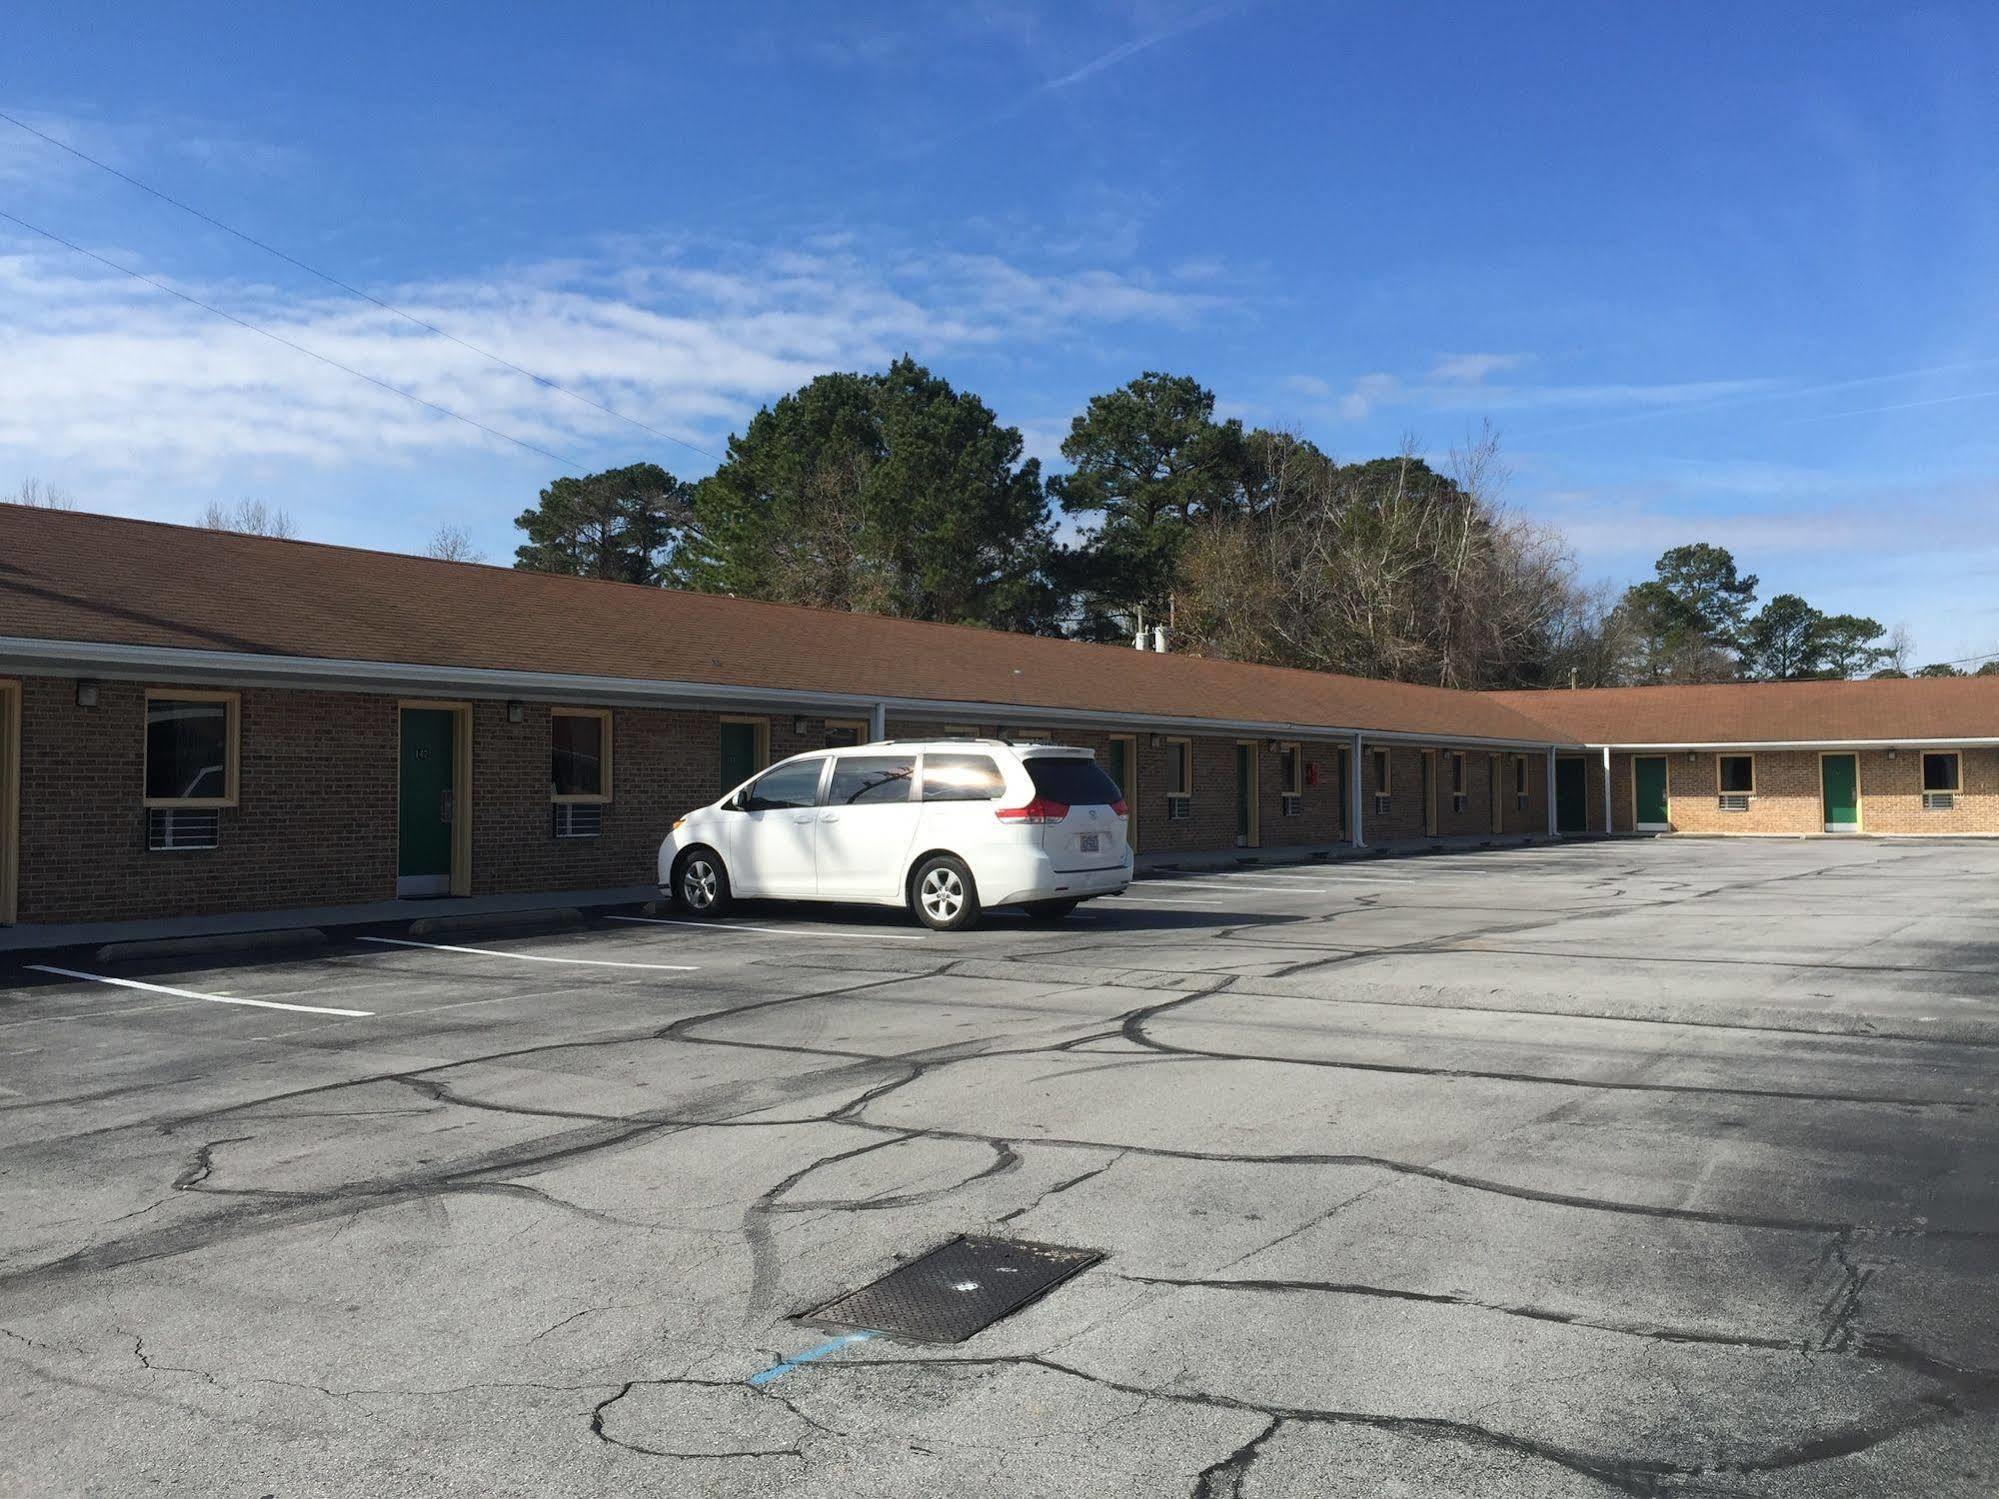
195	723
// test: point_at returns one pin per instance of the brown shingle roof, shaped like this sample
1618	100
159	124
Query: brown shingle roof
1770	712
67	575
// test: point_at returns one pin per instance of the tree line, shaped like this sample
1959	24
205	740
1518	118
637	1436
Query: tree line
894	493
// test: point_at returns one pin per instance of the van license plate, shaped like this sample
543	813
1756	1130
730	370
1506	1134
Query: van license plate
1087	843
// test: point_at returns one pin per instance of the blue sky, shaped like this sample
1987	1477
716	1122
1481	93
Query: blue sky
1714	272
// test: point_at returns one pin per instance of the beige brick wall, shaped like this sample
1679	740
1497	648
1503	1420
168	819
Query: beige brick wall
1787	795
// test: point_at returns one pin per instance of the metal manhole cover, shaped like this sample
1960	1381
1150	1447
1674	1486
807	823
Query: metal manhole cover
956	1289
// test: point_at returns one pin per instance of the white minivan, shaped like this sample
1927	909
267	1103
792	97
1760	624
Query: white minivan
945	827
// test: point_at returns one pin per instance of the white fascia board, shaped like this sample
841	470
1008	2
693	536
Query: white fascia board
329	674
1745	745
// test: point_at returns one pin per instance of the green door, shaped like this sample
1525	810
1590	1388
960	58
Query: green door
1245	791
1116	768
424	811
1839	783
1648	773
739	754
1571	796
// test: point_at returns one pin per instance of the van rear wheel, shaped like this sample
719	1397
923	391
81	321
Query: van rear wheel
1050	910
942	894
701	883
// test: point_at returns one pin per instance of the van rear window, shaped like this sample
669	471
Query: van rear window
1072	781
961	778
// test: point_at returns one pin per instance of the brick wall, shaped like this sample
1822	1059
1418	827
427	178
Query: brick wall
314	824
1787	795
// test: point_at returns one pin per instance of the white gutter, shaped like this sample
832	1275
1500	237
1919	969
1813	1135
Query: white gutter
178	663
1725	745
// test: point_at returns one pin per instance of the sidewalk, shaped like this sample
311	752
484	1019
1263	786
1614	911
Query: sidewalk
34	937
1336	853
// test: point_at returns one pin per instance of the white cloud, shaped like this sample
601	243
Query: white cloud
105	375
1470	369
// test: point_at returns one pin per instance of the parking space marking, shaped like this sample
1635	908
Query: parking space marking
529	957
770	931
1169	900
1227	884
214	999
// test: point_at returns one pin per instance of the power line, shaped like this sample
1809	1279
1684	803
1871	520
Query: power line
345	369
332	280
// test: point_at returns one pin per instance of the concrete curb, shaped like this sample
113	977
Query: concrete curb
545	919
214	942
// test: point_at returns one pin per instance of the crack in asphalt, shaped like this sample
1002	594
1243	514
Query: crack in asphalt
1957	1390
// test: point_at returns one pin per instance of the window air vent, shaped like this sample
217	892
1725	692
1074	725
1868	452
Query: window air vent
1459	801
1293	805
1381	805
1179	808
1939	801
171	829
1520	801
1735	801
579	819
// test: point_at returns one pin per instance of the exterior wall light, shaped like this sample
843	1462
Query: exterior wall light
1155	741
516	713
800	725
86	694
1891	752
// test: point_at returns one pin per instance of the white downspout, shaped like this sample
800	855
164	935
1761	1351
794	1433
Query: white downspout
878	723
1606	789
1554	830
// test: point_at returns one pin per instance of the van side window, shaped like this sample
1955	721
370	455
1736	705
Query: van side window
961	778
862	780
792	785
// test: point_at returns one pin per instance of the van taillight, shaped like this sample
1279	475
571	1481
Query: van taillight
1118	806
1041	809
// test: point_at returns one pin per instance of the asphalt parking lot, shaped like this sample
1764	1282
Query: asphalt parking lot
1618	1168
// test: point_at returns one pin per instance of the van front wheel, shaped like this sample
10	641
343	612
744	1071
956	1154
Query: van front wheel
942	894
700	883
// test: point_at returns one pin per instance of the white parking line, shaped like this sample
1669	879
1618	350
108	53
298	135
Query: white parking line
529	957
215	999
1168	900
1228	884
770	931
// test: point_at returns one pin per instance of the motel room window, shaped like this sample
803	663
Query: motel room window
1941	775
1737	774
1457	772
1291	759
1381	772
1940	771
579	755
191	749
1179	767
844	732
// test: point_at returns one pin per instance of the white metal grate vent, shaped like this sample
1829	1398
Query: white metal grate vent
1520	801
1459	801
173	829
1179	808
1293	805
579	819
1735	801
1939	801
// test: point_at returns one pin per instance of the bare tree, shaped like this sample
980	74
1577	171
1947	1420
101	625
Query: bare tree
251	518
39	496
1390	569
453	544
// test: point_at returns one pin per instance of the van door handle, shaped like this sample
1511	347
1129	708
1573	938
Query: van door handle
829	817
802	821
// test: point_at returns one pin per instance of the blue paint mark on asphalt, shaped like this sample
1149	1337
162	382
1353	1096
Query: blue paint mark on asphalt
776	1371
